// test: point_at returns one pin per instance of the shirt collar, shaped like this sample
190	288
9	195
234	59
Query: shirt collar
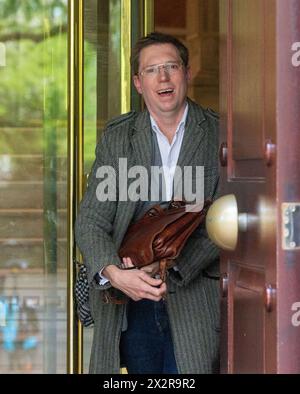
181	124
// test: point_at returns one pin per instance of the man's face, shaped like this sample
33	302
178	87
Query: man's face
164	92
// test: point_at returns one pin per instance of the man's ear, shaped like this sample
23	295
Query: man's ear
137	83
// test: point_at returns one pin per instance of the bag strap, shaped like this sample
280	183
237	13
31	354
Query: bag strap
164	265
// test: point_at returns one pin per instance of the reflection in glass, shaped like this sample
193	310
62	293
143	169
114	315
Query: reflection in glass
102	52
33	190
102	97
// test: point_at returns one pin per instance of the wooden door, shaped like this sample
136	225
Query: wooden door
260	162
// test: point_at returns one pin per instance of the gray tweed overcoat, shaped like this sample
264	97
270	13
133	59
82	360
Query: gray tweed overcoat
193	299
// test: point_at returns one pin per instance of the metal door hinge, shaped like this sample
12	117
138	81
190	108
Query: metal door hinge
290	226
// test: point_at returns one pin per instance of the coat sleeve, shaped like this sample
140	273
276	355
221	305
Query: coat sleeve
199	254
94	223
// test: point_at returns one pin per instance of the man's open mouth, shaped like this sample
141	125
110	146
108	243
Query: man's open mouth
165	92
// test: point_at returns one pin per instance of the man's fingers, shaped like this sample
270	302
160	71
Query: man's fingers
149	280
151	268
155	294
147	269
152	298
138	284
127	262
151	288
157	291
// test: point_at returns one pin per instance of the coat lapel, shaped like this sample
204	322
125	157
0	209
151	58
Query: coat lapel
193	141
141	140
195	130
193	145
141	145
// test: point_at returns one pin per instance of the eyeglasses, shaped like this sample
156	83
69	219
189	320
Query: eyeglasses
170	68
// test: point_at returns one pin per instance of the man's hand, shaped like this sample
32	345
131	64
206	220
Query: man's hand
136	284
151	269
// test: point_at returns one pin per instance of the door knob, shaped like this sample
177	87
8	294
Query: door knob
223	222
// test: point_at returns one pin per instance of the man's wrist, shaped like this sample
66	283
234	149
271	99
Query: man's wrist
109	271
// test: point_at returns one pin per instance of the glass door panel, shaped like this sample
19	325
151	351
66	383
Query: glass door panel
102	64
33	186
102	98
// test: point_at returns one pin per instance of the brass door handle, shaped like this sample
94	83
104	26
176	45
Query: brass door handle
223	222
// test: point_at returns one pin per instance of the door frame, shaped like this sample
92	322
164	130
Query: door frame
76	176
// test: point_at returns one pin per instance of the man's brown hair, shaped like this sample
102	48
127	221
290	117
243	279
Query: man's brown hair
156	38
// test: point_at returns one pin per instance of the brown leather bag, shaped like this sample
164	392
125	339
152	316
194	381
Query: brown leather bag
161	234
158	236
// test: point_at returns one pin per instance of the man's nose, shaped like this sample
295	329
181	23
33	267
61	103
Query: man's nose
163	73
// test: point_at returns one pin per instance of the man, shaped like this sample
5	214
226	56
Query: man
167	327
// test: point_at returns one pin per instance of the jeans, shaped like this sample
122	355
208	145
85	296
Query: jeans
146	347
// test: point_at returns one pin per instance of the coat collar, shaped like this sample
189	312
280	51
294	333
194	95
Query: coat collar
141	139
195	129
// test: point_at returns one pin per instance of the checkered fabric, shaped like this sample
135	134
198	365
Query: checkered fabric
82	296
